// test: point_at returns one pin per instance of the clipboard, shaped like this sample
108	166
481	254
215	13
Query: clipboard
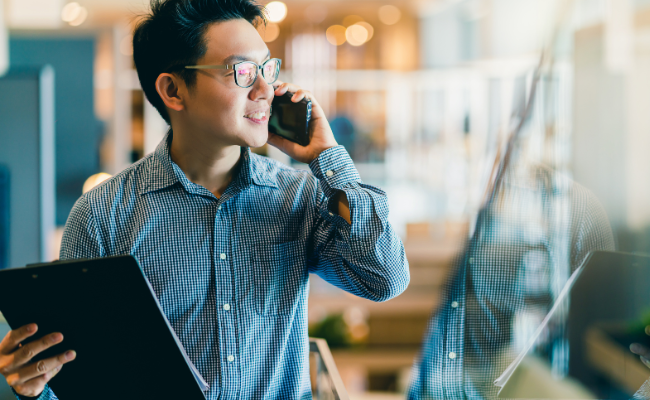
108	313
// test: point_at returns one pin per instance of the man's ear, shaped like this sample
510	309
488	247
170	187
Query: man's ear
167	86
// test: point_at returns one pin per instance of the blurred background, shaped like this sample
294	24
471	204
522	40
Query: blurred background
427	96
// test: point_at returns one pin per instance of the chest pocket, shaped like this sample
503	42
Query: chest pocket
279	274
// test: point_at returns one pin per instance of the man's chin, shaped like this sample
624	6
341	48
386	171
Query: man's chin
257	140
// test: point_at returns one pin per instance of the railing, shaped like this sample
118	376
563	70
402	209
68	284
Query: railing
325	379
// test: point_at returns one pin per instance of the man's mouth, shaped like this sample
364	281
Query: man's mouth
258	116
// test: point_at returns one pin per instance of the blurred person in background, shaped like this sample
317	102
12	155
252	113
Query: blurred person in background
227	238
538	229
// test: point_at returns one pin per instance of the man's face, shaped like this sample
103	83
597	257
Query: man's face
216	106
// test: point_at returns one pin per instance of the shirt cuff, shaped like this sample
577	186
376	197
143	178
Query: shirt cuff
42	396
335	170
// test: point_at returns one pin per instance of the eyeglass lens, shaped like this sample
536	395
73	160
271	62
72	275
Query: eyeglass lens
246	72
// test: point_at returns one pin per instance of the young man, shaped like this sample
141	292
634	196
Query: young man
227	238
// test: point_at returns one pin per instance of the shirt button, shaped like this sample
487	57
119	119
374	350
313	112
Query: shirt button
471	260
454	304
231	358
219	208
331	214
452	355
223	256
329	173
226	307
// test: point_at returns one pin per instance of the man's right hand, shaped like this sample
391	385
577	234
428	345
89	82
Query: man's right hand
25	377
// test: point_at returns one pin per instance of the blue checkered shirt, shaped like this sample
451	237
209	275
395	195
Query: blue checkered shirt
232	273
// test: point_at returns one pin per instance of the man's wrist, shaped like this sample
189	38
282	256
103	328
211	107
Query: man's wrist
335	169
318	153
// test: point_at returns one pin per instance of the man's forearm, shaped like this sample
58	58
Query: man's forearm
343	207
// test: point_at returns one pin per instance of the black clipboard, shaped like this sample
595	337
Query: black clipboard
108	313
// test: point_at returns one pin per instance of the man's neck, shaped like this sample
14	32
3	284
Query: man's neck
205	161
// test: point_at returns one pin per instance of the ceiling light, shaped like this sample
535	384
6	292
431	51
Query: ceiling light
389	14
276	11
336	35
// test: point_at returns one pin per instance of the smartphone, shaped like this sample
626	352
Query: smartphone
290	120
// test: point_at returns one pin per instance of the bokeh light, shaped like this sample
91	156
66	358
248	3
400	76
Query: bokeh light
276	11
369	28
70	12
356	35
389	14
270	32
95	180
80	19
336	35
74	14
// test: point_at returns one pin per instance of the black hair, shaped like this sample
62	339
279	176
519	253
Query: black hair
171	36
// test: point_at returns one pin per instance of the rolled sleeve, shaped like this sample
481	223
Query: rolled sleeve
365	258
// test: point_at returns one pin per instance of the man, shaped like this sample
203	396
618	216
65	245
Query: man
227	238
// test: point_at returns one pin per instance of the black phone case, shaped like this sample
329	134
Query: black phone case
290	120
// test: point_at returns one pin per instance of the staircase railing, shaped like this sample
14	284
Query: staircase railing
326	381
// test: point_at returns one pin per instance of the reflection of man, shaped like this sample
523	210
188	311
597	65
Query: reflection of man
538	229
227	238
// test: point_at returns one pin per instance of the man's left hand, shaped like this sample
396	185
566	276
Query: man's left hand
320	133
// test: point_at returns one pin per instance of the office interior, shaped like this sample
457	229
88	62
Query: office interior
514	119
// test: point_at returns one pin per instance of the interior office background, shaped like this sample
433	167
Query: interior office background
421	93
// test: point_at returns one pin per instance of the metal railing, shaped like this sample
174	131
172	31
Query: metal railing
325	379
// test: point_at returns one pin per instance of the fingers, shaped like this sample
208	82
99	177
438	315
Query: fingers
48	367
11	341
28	351
640	349
298	93
34	387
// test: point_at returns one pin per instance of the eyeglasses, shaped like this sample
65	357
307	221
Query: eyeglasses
246	71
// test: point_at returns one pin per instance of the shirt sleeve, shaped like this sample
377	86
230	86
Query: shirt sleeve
81	235
46	394
365	258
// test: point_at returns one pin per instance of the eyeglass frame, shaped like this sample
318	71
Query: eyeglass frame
234	68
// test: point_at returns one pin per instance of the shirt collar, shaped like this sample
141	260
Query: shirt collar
164	172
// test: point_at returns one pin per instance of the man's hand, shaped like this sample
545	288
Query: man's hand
320	133
25	377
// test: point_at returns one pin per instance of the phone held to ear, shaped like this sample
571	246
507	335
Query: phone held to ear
290	120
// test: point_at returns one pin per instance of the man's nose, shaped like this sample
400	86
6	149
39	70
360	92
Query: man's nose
261	89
